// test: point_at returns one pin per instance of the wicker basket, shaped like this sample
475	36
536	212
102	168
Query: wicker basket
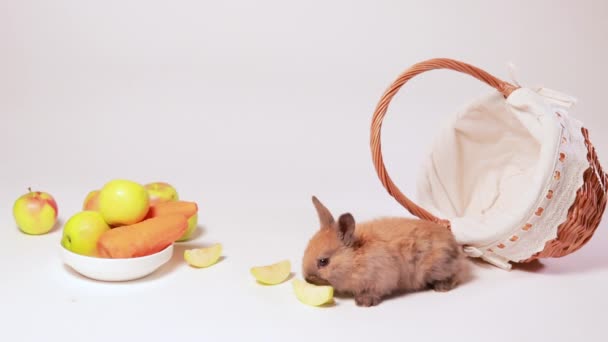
580	218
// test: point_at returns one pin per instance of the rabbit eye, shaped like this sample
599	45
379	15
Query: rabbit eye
322	262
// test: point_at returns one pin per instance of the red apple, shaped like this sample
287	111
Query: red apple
91	202
159	192
35	212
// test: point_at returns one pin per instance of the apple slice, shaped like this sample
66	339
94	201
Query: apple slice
204	256
312	294
272	274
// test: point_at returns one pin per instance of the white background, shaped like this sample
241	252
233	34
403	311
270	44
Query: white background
249	108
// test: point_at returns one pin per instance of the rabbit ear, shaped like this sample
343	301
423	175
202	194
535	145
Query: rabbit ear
346	229
325	218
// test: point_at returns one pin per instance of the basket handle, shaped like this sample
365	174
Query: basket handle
376	145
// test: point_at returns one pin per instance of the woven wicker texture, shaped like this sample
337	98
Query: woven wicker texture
585	213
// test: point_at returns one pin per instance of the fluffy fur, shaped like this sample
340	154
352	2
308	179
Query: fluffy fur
374	259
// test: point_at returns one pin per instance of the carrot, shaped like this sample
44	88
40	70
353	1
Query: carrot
185	208
143	238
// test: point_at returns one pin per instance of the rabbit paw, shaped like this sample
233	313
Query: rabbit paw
445	285
366	299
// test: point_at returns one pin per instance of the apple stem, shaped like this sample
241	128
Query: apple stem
29	189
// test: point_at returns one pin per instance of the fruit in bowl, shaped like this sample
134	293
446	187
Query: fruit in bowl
35	212
129	252
123	202
192	224
91	202
82	232
161	192
122	235
143	238
186	208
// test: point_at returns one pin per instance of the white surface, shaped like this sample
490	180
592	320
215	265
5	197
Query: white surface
249	108
122	269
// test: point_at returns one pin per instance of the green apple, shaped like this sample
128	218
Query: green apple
91	202
35	212
203	256
82	231
315	295
272	274
123	202
161	192
192	222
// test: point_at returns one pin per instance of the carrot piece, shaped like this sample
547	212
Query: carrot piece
143	238
185	208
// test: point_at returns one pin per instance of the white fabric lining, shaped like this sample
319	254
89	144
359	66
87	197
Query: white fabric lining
492	165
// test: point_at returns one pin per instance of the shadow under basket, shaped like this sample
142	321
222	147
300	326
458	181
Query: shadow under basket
512	175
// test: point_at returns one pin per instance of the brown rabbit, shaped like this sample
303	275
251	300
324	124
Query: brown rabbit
374	259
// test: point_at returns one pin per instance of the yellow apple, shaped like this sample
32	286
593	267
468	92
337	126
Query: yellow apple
161	192
272	274
192	223
312	294
82	231
91	202
35	212
204	256
123	202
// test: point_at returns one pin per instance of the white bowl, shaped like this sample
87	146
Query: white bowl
106	269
